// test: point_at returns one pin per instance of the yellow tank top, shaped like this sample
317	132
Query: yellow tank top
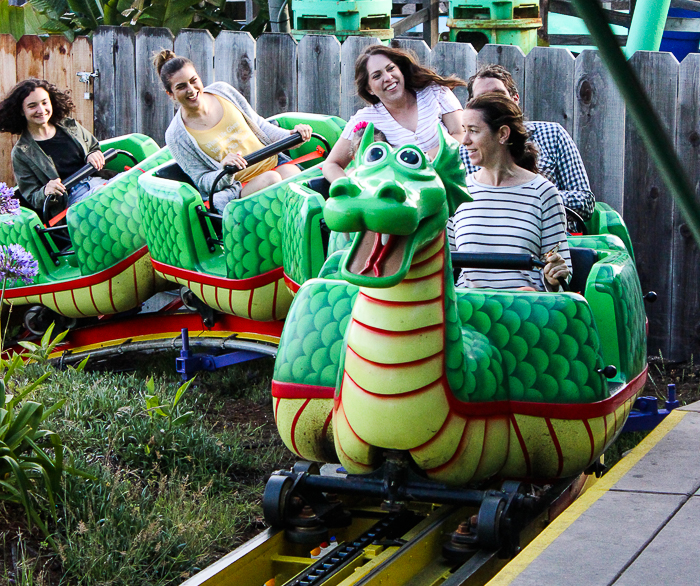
232	135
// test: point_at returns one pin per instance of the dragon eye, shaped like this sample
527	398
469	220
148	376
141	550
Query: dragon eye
410	157
375	154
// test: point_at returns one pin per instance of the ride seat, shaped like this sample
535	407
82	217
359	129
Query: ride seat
582	260
174	172
320	185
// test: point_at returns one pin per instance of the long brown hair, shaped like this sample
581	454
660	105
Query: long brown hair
416	76
12	114
168	64
498	110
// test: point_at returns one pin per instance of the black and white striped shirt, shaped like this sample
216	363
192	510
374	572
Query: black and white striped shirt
527	218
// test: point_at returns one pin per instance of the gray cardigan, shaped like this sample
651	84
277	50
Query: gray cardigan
200	166
33	168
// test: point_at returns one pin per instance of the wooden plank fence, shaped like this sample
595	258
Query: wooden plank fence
316	75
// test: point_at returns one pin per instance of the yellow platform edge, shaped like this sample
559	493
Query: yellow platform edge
584	502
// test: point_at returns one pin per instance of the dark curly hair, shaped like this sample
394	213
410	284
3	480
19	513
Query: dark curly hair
498	110
495	72
11	113
416	76
168	64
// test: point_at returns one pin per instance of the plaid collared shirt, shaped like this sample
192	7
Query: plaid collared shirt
560	162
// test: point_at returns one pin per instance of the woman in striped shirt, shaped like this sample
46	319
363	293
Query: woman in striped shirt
406	101
515	210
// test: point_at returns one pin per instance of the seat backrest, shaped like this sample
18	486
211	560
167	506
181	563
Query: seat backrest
582	260
174	172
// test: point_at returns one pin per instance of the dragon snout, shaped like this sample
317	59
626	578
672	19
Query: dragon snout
391	190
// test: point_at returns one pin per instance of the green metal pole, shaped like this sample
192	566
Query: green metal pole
647	26
653	134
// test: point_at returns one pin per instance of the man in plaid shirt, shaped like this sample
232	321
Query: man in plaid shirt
559	159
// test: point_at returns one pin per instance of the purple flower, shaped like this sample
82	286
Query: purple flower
16	264
8	204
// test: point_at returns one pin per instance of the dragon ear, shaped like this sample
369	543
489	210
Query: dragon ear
367	139
451	170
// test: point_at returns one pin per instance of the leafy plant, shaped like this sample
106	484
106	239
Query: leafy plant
20	20
82	17
170	412
42	351
23	459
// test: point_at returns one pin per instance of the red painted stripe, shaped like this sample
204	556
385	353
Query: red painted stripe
440	252
250	303
458	452
397	365
605	424
393	395
324	432
277	404
553	410
230	299
55	301
293	285
426	278
385	303
523	447
282	390
392	334
274	299
590	439
216	298
223	282
437	435
92	298
72	294
79	283
111	297
136	282
294	425
557	445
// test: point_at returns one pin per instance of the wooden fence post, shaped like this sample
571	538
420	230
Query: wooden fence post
350	102
81	60
235	62
318	57
549	86
30	57
418	46
648	205
154	108
276	74
457	58
599	128
8	66
685	304
114	58
510	57
198	46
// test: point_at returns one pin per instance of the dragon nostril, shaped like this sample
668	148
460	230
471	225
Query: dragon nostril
393	191
344	186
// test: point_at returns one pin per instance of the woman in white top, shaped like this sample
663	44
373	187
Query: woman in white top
515	210
407	103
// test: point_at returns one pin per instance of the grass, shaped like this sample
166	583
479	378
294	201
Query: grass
163	504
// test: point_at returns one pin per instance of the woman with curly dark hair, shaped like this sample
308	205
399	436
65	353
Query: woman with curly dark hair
407	102
52	146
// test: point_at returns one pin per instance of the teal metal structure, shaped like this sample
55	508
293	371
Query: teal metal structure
647	26
503	22
342	18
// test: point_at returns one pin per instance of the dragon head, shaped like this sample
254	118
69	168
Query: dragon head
398	202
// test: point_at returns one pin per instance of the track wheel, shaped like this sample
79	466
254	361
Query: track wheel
38	318
275	500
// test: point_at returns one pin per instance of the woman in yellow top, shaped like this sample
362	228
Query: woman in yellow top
214	127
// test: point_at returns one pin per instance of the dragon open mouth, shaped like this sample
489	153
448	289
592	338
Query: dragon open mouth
378	255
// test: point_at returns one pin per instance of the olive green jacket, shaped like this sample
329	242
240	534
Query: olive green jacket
33	168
